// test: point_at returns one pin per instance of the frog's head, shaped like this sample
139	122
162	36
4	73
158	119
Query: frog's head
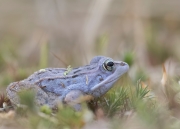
113	71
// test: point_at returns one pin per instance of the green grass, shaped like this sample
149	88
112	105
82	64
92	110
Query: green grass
129	104
117	101
119	105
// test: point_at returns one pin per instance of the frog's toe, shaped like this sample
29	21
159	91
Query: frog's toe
73	98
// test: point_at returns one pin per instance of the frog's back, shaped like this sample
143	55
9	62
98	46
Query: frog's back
61	81
30	83
45	73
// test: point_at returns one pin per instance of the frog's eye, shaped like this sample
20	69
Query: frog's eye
108	65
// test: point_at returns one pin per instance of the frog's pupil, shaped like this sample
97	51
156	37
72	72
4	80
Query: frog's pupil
110	63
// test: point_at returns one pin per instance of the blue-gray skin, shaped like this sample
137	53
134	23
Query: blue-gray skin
94	79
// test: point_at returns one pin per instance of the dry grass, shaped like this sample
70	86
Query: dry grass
36	34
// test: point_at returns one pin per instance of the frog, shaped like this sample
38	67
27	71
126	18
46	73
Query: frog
66	85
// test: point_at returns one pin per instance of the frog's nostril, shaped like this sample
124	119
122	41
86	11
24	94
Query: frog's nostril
122	64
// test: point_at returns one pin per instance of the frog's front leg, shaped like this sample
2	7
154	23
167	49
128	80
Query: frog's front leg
72	98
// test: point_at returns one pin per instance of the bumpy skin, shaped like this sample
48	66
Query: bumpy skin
59	84
41	97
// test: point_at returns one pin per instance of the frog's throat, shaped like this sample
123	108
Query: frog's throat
108	80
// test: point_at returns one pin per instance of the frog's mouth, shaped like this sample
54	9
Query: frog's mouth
111	78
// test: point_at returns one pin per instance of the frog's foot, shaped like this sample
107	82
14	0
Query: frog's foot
73	98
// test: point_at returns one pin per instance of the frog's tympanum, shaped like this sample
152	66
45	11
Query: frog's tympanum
53	85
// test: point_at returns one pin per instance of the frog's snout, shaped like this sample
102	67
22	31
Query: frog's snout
123	64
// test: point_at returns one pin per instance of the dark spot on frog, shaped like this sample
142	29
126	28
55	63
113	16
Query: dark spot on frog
42	87
50	79
99	78
74	76
77	71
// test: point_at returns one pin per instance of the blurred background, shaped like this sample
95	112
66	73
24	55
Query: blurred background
35	34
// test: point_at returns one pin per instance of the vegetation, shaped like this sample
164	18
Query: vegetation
147	97
128	102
